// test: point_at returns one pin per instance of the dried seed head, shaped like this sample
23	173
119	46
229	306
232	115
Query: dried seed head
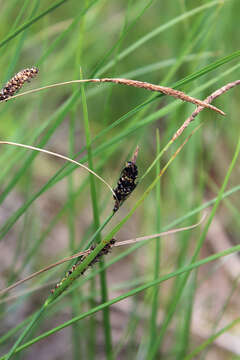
16	83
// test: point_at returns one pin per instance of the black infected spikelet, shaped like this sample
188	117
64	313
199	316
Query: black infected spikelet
104	251
126	183
16	83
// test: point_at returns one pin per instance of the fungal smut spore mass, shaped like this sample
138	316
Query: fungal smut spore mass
126	184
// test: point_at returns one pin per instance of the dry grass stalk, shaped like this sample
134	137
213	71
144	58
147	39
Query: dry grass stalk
209	99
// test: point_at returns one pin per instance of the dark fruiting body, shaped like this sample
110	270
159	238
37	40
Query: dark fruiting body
16	83
105	250
126	184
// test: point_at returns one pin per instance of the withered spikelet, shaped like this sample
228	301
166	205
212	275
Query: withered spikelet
16	83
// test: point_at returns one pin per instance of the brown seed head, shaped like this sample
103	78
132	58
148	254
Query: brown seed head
16	83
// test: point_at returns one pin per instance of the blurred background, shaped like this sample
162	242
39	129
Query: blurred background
46	208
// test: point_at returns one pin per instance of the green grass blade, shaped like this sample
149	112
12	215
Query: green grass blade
185	269
156	32
200	242
103	281
28	23
211	339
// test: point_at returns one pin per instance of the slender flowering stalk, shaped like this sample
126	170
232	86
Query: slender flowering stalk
135	83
